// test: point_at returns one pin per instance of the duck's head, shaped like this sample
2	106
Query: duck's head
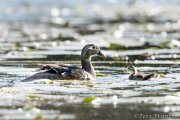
90	50
131	68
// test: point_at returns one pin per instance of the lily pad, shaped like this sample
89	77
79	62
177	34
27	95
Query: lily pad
39	116
33	96
115	46
88	100
100	75
28	107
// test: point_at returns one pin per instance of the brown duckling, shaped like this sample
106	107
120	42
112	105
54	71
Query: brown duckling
69	72
135	75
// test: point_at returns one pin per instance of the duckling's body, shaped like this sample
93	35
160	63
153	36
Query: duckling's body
135	75
68	72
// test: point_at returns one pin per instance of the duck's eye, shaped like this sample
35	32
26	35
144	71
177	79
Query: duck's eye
93	47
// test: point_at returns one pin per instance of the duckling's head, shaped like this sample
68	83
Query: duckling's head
91	50
131	68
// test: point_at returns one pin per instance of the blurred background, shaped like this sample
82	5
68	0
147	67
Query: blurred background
45	24
145	33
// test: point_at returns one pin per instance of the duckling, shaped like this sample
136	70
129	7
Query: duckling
135	75
69	72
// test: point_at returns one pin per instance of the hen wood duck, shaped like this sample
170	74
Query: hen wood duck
68	72
135	75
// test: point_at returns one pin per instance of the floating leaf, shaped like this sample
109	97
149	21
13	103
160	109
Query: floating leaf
57	117
33	96
28	107
33	49
109	82
18	45
49	81
39	117
100	74
116	59
164	44
88	99
88	83
65	82
115	46
160	75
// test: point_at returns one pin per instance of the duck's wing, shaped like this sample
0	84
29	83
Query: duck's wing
148	76
55	68
53	72
50	66
42	75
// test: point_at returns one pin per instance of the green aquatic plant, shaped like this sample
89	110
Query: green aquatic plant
28	107
100	75
109	82
88	100
62	82
160	75
116	60
62	37
177	60
115	46
33	96
50	81
57	117
88	83
65	82
33	49
119	16
39	116
164	44
69	82
18	45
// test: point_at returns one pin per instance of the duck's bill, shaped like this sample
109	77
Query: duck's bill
101	54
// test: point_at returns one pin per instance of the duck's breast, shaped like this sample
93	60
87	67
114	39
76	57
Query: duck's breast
81	74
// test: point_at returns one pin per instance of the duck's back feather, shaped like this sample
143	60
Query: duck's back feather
140	76
148	76
60	72
136	77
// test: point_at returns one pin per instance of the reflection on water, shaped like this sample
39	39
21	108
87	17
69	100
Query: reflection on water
140	32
